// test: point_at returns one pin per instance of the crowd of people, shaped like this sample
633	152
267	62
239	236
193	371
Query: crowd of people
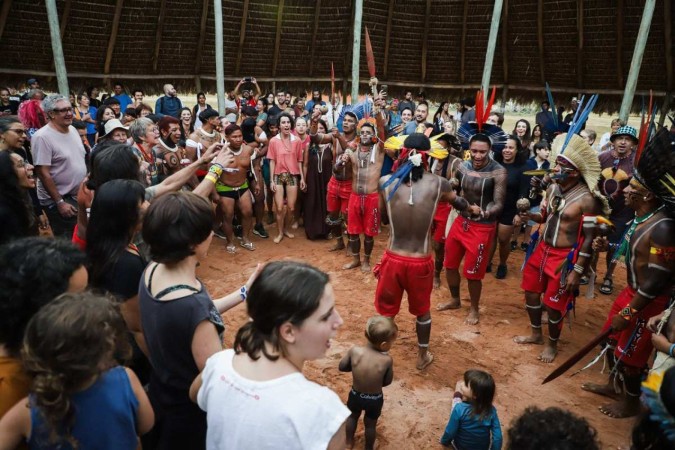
108	336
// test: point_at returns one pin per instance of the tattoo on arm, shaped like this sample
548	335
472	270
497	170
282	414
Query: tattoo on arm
499	194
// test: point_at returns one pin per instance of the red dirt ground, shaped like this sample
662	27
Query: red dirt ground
417	404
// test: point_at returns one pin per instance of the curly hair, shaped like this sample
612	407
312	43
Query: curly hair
69	343
27	283
14	197
552	429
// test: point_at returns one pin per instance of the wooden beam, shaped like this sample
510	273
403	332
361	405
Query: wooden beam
356	48
348	54
390	14
315	33
540	40
619	44
158	34
220	64
580	44
462	46
4	14
113	36
277	40
668	36
242	36
425	37
202	37
505	42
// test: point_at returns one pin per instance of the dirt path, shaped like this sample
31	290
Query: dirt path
417	404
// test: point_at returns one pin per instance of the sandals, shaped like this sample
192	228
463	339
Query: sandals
231	249
607	286
247	245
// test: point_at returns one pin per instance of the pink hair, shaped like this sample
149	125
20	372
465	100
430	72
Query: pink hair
32	115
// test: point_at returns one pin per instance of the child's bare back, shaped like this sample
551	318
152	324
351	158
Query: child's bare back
370	368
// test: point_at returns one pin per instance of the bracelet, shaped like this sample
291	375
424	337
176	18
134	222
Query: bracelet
579	269
670	350
243	292
60	201
216	169
587	255
211	177
627	313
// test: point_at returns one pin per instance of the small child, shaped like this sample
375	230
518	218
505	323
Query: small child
473	423
372	368
80	397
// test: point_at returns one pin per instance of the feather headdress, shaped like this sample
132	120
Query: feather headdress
496	135
361	110
655	169
584	158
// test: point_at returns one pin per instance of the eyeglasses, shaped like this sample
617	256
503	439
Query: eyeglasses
21	164
18	131
63	110
153	130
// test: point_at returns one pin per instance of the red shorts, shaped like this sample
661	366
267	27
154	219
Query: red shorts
539	276
472	238
640	348
364	214
81	243
395	274
440	221
338	194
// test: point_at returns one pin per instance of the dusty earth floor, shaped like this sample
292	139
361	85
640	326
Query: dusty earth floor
417	404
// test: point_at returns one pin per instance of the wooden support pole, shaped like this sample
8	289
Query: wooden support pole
425	36
580	44
57	48
356	49
540	40
462	47
315	33
277	40
242	37
505	42
619	44
220	65
113	36
390	14
636	62
200	43
65	15
4	14
158	35
348	54
668	36
492	43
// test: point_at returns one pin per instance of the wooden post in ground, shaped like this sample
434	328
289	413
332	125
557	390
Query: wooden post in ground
220	65
356	52
492	44
636	62
57	48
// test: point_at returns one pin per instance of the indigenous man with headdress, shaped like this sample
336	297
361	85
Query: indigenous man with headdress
363	209
563	253
411	195
649	250
482	183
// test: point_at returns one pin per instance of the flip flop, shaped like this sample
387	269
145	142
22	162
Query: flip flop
607	286
231	249
247	246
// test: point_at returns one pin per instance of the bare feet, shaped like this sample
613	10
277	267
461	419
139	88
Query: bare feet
437	281
278	238
548	354
472	318
365	267
289	235
531	339
452	304
621	408
339	245
424	361
606	390
352	265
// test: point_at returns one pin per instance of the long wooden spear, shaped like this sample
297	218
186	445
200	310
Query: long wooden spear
572	360
370	57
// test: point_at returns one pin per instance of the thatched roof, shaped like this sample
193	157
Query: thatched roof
577	46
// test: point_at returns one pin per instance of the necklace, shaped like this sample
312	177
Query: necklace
163	144
206	134
364	158
624	248
241	149
616	155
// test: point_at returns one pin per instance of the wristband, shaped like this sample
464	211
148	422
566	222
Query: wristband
587	255
211	177
216	169
243	292
60	201
579	269
670	350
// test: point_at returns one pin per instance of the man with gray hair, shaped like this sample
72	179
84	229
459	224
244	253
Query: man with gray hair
169	104
59	159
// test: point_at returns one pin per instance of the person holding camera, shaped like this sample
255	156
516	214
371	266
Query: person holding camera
246	96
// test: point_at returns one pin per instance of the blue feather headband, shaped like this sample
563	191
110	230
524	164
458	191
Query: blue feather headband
580	117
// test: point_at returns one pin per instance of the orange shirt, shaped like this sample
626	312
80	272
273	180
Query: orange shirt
286	159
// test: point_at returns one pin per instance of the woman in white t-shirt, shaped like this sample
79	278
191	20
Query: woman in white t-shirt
255	395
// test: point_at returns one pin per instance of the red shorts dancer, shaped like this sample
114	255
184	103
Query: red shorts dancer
539	276
364	214
440	221
474	240
397	273
636	351
337	197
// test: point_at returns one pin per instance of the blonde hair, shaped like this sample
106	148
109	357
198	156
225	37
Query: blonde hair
380	329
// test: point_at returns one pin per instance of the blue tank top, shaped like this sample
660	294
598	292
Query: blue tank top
105	416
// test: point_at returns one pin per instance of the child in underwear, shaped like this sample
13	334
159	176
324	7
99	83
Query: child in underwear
473	423
372	368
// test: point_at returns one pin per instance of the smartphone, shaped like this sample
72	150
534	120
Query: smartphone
385	88
248	79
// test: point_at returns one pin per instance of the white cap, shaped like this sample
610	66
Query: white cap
112	125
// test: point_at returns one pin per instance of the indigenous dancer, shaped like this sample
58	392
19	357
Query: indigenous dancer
364	213
483	184
569	211
411	195
649	250
203	137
